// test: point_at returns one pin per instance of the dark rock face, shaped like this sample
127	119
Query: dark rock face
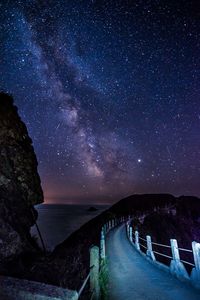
92	208
20	187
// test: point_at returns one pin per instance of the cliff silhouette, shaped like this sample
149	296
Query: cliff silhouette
163	216
20	187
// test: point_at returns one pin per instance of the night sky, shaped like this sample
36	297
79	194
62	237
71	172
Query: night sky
110	93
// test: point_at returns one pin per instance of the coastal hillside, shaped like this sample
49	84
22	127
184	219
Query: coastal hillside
161	215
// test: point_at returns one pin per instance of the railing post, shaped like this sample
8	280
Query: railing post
131	234
177	268
137	244
94	273
102	246
127	228
149	248
109	225
195	275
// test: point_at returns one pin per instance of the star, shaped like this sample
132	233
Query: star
106	100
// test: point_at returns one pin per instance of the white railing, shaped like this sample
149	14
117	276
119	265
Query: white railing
177	268
97	259
84	284
177	265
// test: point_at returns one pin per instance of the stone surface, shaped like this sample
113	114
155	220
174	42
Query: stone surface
20	186
15	289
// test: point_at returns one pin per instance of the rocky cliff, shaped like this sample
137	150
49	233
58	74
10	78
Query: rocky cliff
20	187
161	216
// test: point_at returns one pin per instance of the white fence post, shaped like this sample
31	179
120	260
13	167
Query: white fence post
177	268
195	275
102	246
137	240
149	248
94	273
127	229
131	234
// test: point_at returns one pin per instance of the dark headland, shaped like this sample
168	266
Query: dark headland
163	216
92	208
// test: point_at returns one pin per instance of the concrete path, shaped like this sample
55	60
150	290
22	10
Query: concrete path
132	277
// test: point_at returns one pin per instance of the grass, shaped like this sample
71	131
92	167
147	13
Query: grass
103	279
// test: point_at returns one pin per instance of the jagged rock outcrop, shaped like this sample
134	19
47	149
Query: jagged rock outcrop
20	186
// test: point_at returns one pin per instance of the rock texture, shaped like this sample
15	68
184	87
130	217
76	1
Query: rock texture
20	186
15	289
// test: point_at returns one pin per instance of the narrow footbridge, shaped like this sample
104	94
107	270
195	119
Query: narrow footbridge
133	277
119	270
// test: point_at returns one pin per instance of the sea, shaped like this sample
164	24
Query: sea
57	222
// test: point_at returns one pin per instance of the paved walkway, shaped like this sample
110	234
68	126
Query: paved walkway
132	277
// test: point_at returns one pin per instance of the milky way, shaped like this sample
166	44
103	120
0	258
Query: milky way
110	93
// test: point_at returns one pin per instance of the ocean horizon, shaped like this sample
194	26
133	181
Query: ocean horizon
58	221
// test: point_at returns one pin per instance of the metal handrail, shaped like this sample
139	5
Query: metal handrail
143	246
142	239
161	254
161	245
186	250
166	246
85	282
187	262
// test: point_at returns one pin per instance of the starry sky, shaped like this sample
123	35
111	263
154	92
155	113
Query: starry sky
110	93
